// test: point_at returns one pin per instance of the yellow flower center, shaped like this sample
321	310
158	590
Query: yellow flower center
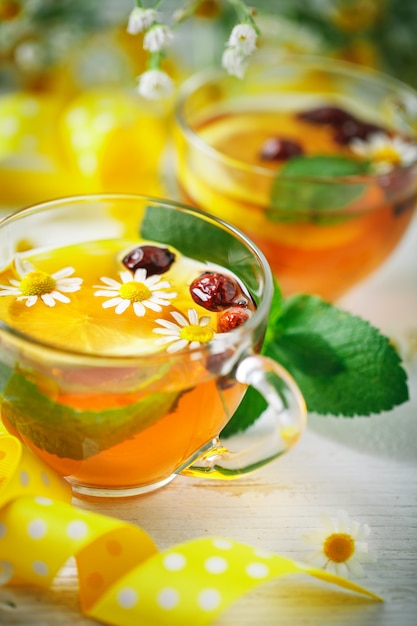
339	547
387	154
202	334
37	284
134	291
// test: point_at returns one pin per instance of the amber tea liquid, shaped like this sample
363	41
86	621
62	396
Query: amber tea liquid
126	425
306	253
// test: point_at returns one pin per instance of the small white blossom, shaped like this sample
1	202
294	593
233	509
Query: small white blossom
243	37
385	152
340	544
155	84
235	61
158	37
35	284
192	332
141	19
140	291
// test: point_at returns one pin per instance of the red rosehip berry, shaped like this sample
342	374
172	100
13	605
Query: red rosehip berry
232	318
215	292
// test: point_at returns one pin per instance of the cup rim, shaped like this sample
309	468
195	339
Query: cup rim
230	338
261	59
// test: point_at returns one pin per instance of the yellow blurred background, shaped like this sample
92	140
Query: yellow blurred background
70	118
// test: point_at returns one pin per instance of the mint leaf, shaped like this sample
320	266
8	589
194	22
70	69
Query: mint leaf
312	188
361	372
68	433
343	365
199	239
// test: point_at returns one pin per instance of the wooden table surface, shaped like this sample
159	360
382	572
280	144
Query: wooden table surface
366	466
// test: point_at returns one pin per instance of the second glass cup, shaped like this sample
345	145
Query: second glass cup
316	160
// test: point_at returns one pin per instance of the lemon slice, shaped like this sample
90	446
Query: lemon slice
113	139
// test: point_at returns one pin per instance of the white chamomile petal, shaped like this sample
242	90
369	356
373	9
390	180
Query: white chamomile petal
122	306
177	346
179	318
113	302
64	273
139	309
355	568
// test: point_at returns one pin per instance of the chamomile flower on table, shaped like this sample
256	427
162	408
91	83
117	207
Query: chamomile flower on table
193	332
139	291
385	152
35	285
340	545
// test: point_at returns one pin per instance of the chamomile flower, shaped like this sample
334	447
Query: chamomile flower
140	292
243	37
340	545
158	37
385	152
154	84
141	19
192	332
37	285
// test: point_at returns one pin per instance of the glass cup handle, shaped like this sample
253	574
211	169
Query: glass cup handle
275	431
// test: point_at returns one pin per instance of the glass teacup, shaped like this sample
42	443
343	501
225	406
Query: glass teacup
130	329
301	154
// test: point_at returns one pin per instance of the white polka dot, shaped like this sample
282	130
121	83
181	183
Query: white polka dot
43	501
3	530
77	529
216	565
222	544
174	561
40	568
209	599
257	570
45	479
24	478
127	598
168	598
37	529
6	572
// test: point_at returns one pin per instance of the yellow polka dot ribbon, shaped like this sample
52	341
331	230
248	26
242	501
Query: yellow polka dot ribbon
123	578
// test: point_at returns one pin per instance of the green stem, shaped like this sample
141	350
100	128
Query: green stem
244	14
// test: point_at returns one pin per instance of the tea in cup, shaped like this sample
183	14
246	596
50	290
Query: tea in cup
130	328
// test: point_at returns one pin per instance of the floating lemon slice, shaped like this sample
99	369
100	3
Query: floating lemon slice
114	140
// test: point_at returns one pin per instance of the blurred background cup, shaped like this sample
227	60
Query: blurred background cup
323	223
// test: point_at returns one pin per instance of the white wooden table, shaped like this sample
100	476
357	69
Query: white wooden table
367	466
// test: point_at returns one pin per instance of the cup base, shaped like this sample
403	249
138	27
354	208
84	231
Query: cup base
88	492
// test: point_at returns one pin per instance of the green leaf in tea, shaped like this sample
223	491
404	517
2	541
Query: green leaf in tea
187	232
314	188
77	434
